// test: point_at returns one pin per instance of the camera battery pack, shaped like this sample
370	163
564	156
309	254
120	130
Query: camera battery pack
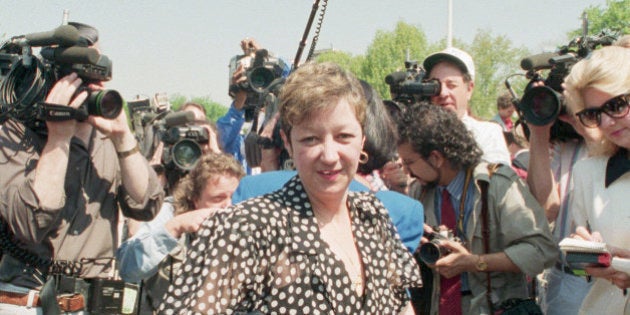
113	297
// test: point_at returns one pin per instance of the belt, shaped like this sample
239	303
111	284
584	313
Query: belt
67	303
564	269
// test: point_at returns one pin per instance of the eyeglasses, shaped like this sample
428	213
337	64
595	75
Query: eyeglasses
616	107
409	163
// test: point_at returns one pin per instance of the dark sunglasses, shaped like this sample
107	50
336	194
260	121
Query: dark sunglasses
616	107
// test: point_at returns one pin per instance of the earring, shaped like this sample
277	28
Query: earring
288	164
363	157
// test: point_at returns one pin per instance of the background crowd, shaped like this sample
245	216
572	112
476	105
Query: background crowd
334	201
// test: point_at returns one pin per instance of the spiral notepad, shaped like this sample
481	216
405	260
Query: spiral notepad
579	254
578	245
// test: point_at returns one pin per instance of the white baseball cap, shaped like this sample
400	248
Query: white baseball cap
457	56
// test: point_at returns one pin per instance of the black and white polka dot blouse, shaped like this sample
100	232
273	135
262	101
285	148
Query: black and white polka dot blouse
266	255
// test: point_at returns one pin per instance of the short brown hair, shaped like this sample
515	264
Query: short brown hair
317	86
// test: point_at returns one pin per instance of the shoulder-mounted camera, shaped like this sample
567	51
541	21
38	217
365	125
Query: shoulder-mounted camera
27	78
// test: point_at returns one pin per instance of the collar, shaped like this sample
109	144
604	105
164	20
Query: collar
456	186
617	166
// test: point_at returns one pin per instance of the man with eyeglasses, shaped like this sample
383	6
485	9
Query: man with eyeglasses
438	150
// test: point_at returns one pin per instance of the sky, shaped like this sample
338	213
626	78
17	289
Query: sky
184	47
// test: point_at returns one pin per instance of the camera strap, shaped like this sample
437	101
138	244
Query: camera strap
56	112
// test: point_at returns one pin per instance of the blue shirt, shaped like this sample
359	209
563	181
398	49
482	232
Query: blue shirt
232	141
406	213
139	257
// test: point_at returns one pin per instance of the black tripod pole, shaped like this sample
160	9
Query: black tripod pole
307	30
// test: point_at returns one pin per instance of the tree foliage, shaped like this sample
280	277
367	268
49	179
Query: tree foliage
495	58
615	16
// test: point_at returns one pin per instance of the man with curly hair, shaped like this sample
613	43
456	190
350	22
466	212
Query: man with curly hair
438	150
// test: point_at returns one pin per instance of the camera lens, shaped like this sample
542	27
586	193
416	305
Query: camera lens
186	153
106	103
541	105
260	78
431	252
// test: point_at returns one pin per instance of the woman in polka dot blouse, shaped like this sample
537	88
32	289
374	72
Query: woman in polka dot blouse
311	247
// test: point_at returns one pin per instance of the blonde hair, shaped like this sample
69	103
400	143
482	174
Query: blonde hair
315	87
623	41
209	166
607	69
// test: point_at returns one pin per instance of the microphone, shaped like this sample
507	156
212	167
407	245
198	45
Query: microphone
179	118
395	77
64	35
71	55
537	62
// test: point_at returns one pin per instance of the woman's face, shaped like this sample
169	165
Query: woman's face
616	130
218	192
325	150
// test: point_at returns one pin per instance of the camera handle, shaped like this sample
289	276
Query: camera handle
56	112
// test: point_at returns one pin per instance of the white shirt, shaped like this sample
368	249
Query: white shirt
489	137
606	210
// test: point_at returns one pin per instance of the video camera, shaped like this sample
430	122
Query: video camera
264	77
154	122
411	86
27	79
173	137
541	105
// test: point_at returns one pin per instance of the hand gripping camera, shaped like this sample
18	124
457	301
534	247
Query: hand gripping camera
433	250
27	79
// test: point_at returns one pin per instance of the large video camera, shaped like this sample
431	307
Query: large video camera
27	79
411	86
264	77
153	122
542	104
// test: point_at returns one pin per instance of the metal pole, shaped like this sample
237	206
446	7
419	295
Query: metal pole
449	33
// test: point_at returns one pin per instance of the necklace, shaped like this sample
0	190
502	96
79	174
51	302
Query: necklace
332	234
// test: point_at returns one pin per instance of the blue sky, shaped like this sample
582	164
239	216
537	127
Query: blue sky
184	46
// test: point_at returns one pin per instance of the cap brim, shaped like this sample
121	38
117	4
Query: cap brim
436	58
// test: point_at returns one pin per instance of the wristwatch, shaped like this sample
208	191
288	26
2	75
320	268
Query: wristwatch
481	264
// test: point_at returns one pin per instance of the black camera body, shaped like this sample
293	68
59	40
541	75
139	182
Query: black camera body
411	86
432	251
27	78
541	105
264	74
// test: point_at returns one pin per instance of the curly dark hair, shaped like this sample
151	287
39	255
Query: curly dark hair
429	127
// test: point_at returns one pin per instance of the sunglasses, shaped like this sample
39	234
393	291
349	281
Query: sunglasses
616	107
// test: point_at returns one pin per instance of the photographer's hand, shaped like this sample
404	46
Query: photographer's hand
135	178
249	46
459	260
188	222
61	94
241	96
52	166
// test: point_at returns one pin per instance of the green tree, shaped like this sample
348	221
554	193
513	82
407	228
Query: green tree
344	59
214	110
495	59
388	52
615	16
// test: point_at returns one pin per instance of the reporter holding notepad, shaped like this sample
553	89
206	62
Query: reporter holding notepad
597	91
